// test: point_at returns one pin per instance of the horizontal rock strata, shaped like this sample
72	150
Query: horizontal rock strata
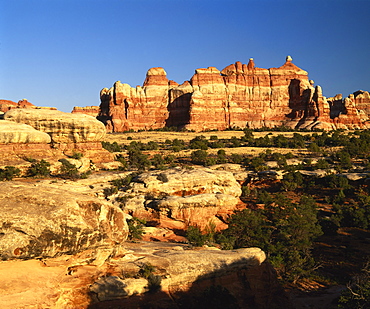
240	95
62	127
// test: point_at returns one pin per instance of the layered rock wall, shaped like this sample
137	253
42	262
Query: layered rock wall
241	95
50	134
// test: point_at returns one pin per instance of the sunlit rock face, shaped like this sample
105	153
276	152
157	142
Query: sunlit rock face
40	220
240	95
178	198
62	127
13	132
87	110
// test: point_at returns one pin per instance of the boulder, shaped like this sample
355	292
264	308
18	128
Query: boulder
40	220
178	198
105	278
12	132
62	127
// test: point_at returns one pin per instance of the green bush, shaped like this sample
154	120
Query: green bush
195	236
199	157
77	155
39	169
70	171
357	294
9	172
136	228
111	147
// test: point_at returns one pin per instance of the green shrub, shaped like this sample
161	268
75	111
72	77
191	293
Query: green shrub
70	171
39	169
9	172
195	236
199	157
136	228
111	147
77	155
154	283
357	294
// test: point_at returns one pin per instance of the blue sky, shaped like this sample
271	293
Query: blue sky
61	53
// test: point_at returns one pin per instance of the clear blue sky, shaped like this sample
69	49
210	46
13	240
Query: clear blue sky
61	53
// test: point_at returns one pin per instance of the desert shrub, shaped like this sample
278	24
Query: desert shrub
123	162
154	283
195	236
199	142
322	164
246	191
111	147
199	157
9	172
337	181
357	294
136	228
110	191
236	158
291	181
146	269
138	159
213	137
158	161
123	182
39	169
283	229
70	171
162	177
210	161
77	155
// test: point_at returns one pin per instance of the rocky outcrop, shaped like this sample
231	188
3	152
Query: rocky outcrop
362	101
351	112
62	127
178	198
6	105
103	278
87	110
12	132
39	220
240	95
123	108
50	135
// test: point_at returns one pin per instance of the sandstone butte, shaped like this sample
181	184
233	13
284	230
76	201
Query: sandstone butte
240	95
43	133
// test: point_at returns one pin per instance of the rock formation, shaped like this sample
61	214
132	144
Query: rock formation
87	110
50	134
178	198
39	220
62	127
61	247
12	132
6	105
240	95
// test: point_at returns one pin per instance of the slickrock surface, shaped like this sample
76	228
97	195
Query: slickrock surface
39	220
240	95
12	132
62	127
177	198
106	278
